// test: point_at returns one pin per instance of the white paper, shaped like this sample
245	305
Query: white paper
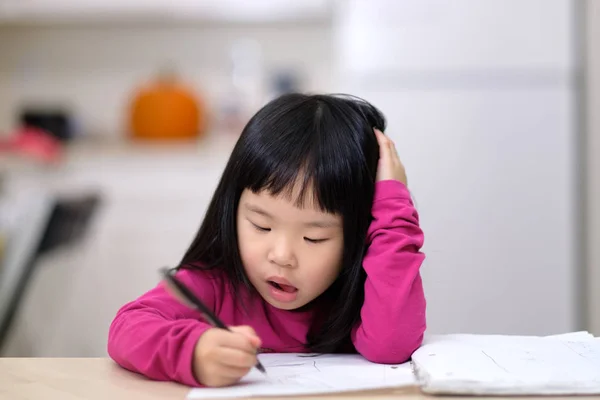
581	335
304	374
519	365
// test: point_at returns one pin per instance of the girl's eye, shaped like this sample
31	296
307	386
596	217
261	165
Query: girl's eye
315	240
260	228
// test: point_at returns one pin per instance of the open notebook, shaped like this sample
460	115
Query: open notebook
302	374
509	365
445	364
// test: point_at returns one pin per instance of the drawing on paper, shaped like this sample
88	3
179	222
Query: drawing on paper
298	374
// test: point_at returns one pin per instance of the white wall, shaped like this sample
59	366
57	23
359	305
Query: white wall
96	69
481	103
593	164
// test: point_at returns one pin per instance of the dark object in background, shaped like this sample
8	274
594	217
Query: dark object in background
57	122
285	82
67	223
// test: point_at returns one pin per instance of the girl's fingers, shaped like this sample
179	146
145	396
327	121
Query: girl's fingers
237	341
381	139
236	358
395	155
389	165
384	144
387	147
384	141
249	332
232	372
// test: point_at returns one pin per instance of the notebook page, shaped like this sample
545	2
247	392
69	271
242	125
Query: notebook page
299	374
581	335
480	364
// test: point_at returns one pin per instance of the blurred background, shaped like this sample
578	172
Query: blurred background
117	118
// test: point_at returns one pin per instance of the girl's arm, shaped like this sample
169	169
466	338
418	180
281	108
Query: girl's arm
393	313
155	335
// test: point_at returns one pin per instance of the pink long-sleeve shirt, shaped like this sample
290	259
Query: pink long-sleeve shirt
155	335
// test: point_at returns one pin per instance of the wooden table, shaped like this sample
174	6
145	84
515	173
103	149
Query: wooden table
101	378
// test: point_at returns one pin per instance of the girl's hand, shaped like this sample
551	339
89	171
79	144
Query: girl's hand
389	166
221	358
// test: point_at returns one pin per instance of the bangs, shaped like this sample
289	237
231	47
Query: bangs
299	187
310	152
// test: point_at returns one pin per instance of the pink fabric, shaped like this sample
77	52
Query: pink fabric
155	335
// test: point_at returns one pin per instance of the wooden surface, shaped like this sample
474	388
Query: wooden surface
101	378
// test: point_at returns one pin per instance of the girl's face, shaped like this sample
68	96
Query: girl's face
291	255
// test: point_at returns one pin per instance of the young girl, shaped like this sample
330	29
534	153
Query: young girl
310	244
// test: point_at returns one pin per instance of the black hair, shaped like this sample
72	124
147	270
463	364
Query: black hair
328	142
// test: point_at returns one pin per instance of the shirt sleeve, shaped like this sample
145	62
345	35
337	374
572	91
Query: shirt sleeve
393	318
155	335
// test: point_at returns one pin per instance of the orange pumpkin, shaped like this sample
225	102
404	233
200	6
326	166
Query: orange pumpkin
166	109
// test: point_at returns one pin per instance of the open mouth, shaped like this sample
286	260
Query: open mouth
281	290
283	287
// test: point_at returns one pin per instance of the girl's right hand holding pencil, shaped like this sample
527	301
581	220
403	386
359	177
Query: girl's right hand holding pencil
222	358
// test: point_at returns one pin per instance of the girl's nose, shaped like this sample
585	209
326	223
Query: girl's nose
282	254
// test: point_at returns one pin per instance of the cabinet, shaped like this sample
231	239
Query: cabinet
152	201
101	11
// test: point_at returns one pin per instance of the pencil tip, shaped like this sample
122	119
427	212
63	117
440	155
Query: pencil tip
261	368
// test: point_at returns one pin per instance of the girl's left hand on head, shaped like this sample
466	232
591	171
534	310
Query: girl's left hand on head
389	166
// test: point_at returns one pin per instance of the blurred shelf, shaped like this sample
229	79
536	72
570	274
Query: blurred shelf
66	12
